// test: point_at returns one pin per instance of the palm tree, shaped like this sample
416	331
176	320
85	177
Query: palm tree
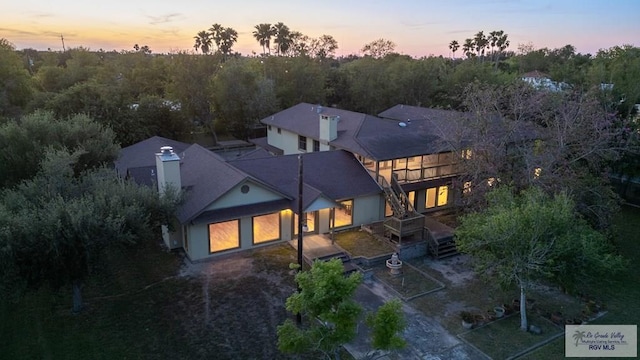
282	38
228	37
481	43
467	48
203	42
454	46
263	34
215	31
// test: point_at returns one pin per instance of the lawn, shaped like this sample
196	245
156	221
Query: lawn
361	243
410	283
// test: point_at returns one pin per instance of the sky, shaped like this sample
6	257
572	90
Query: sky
417	27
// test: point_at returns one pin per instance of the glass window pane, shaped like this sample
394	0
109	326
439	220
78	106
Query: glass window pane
443	195
224	235
344	213
266	228
431	198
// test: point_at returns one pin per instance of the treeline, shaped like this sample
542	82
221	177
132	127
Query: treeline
139	94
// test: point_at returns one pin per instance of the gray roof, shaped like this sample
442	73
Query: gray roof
337	175
143	155
206	177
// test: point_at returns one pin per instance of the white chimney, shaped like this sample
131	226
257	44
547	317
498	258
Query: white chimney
328	128
168	170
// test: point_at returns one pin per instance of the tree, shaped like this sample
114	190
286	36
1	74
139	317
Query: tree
454	46
57	225
203	42
555	141
29	139
520	239
323	47
325	300
263	34
378	48
467	48
385	325
15	83
228	38
215	31
480	41
282	38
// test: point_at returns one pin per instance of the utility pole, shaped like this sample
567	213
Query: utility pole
62	38
300	226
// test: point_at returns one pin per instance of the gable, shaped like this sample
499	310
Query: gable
320	203
245	193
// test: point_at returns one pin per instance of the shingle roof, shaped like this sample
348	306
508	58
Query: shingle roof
336	175
142	155
206	177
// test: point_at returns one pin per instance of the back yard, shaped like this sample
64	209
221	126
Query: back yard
149	305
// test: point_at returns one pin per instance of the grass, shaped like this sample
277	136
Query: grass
503	338
410	284
360	243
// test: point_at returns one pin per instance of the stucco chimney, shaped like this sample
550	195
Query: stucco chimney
168	169
328	128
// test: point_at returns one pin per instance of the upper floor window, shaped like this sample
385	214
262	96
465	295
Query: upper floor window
279	130
302	143
269	127
316	145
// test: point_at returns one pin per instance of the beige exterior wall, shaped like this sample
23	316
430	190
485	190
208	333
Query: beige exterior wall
367	210
286	140
235	197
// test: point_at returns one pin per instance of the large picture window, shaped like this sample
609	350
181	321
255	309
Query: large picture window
266	228
224	236
344	214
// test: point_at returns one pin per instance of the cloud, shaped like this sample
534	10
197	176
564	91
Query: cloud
163	19
418	25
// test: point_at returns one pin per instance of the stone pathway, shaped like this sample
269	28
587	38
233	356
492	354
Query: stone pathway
426	338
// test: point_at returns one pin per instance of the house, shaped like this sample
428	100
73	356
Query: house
389	170
541	81
253	201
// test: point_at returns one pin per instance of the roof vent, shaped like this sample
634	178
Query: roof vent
402	124
319	109
166	150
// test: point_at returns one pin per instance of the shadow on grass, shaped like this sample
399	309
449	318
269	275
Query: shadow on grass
503	338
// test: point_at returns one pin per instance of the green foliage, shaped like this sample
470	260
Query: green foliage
325	299
519	239
56	225
15	83
385	326
27	140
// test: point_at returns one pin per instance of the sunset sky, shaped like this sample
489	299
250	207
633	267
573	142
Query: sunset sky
418	27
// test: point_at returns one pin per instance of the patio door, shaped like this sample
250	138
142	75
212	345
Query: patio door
311	221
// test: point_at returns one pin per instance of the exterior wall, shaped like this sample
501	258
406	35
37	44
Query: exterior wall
235	197
324	221
367	210
286	140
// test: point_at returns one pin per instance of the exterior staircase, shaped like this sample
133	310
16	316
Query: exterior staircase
440	242
406	221
349	267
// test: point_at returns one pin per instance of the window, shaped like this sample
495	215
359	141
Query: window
344	214
537	172
269	127
279	130
466	154
310	222
302	143
466	188
437	196
224	236
316	145
266	228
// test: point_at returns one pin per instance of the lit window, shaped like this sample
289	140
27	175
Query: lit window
466	188
466	154
491	181
224	236
344	213
266	228
437	196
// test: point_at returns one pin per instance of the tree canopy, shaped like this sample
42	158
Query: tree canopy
523	238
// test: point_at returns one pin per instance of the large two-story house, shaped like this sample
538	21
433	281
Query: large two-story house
389	170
